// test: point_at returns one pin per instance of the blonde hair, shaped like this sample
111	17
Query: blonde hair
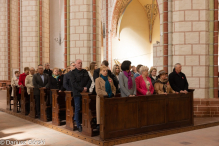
103	67
152	68
114	69
143	68
92	68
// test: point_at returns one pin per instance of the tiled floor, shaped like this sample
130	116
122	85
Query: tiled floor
14	128
203	137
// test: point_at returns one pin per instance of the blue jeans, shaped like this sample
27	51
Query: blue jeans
77	117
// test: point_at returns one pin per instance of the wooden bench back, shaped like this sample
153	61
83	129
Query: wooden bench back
125	116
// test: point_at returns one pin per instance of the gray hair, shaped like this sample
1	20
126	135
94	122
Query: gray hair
176	65
143	68
72	62
77	60
32	68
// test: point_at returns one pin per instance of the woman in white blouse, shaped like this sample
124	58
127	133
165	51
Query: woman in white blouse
93	66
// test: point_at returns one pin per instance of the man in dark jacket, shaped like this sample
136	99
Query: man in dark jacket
40	80
80	82
178	80
66	80
110	74
47	70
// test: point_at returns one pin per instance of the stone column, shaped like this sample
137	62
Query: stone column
158	49
29	33
85	31
190	43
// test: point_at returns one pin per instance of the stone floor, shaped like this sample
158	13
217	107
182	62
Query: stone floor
17	129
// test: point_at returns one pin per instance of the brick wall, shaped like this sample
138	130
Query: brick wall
29	32
206	107
3	40
45	31
98	31
14	35
81	31
189	39
190	42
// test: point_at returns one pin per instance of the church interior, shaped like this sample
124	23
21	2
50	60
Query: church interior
160	57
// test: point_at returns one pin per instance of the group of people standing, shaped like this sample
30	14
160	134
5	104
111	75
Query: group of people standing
129	81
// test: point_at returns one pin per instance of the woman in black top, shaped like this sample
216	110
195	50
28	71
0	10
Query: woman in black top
55	82
153	72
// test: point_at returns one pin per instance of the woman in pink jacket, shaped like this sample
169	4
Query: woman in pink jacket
144	85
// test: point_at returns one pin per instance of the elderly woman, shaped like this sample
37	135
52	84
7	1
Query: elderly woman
153	72
127	80
162	85
116	72
143	82
104	87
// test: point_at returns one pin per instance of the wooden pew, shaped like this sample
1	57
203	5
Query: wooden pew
16	108
70	111
44	104
24	100
9	97
58	107
127	116
89	114
32	104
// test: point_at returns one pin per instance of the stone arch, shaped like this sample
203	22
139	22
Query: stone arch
118	12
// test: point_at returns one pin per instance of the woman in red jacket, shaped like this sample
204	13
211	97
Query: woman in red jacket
143	83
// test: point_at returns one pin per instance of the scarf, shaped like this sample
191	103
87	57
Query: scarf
56	77
107	86
164	84
128	75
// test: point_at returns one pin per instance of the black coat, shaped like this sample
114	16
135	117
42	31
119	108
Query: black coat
38	83
178	81
48	72
66	81
79	80
56	84
110	74
153	80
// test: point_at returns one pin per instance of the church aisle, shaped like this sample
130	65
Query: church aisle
16	129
